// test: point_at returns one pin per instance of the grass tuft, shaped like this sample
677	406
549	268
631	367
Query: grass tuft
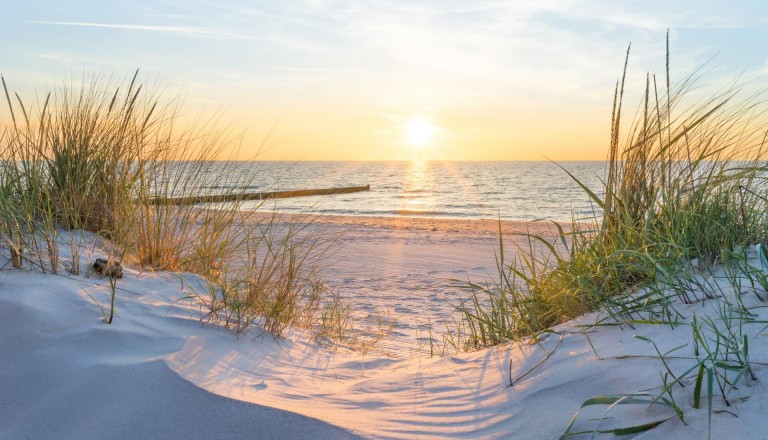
684	188
101	156
683	198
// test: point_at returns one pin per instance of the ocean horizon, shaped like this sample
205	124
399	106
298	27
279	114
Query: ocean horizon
508	190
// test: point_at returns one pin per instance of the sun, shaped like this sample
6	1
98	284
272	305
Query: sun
419	132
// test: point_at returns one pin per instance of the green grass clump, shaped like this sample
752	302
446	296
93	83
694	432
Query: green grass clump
104	158
683	199
278	285
73	159
684	188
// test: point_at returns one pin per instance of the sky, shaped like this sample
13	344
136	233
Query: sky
388	79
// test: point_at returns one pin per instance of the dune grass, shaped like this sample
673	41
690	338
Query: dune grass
94	155
684	197
678	189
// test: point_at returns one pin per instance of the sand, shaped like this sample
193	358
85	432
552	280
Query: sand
158	372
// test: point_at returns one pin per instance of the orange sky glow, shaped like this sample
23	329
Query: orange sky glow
321	80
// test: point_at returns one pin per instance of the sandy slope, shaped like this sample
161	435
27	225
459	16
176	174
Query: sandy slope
66	375
157	372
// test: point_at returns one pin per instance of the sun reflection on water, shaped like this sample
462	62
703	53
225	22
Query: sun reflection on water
419	184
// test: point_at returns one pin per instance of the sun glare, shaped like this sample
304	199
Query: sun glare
419	132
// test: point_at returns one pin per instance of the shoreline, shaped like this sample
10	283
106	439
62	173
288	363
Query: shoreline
469	226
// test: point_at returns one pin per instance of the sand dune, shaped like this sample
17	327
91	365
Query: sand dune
158	372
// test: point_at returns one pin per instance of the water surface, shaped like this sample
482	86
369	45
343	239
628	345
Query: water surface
507	190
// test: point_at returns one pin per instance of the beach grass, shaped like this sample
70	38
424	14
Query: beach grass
684	196
684	184
105	157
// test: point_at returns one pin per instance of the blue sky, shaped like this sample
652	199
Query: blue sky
340	79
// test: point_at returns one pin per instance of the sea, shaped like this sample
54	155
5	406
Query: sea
509	190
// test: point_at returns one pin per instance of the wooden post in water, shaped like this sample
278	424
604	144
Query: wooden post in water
221	198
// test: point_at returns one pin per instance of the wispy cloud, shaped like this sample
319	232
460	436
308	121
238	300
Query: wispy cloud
400	55
185	31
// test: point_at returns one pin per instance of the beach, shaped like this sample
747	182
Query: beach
410	270
158	371
417	222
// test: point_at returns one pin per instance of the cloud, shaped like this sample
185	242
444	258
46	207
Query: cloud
186	31
426	53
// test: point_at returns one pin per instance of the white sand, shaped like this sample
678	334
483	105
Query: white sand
157	372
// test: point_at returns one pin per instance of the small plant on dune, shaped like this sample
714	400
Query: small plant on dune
112	269
14	241
278	285
334	321
502	310
172	236
720	359
612	402
366	338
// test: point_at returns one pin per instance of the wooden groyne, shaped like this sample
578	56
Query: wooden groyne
222	198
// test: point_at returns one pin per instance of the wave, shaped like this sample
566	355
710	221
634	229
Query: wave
470	206
410	196
422	212
228	187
